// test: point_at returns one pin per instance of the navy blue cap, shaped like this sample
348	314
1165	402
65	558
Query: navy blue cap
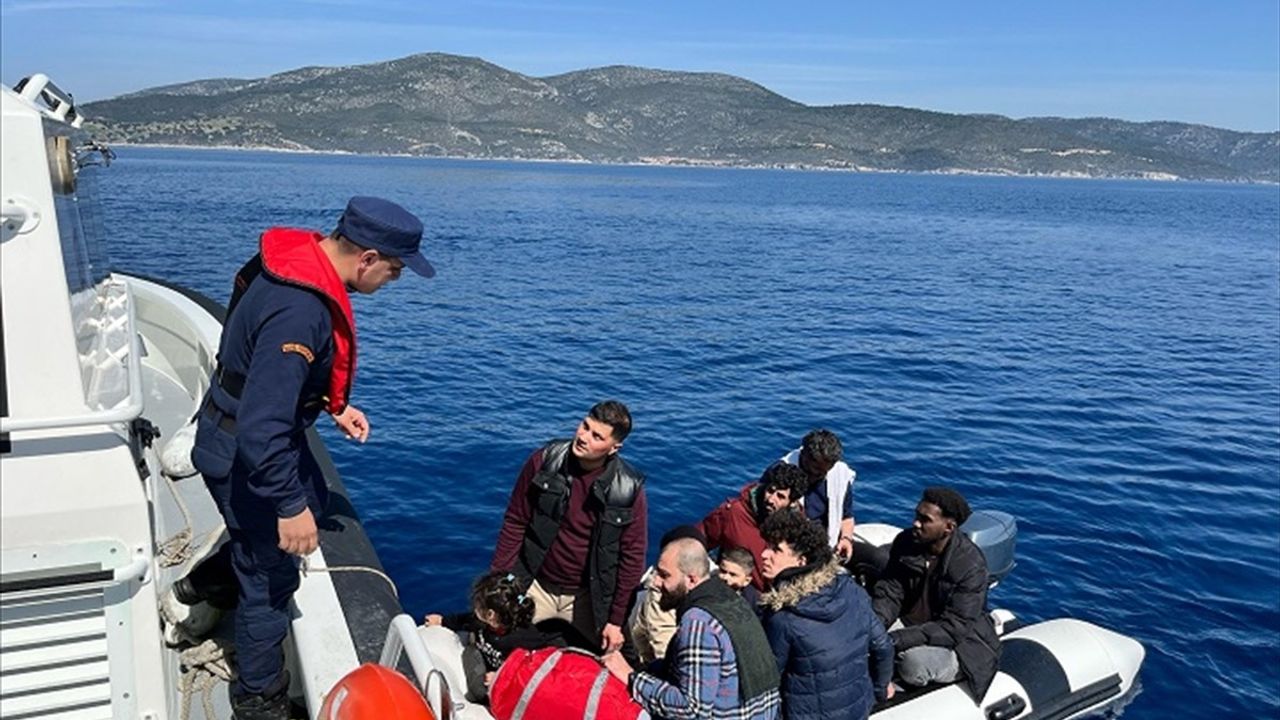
384	226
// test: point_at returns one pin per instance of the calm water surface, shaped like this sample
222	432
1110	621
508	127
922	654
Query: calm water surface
1101	359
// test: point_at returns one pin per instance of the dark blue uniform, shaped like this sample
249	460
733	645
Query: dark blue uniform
274	365
288	353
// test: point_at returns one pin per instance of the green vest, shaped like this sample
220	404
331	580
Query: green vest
757	669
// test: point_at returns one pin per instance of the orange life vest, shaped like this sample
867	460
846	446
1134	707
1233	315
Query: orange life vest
294	256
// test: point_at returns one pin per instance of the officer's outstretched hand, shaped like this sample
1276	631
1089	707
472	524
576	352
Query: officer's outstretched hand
298	535
353	423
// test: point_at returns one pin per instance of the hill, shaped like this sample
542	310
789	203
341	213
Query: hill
447	105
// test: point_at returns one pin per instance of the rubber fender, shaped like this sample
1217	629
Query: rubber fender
375	692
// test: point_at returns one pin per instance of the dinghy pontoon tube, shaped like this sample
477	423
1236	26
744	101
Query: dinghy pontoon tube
1051	670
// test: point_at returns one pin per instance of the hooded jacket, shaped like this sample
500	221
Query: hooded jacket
736	523
957	590
835	657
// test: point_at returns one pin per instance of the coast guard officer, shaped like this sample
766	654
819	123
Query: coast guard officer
288	352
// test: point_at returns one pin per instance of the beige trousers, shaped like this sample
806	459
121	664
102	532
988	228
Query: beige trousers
651	627
574	609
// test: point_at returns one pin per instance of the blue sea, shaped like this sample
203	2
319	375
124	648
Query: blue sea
1099	358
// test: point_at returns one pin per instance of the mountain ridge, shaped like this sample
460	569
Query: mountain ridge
437	104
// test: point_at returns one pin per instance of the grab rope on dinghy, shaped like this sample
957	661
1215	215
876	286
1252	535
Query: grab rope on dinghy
306	568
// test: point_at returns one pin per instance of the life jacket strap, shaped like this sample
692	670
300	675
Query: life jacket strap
231	381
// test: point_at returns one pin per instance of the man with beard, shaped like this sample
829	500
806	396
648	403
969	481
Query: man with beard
575	531
718	665
933	599
736	522
650	627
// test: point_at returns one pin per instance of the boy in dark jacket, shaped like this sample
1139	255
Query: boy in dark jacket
833	653
936	585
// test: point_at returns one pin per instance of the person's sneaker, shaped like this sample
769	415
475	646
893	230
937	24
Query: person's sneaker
273	706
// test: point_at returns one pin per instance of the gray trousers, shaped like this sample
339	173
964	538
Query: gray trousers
926	664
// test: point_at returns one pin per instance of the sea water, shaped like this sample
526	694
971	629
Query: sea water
1099	358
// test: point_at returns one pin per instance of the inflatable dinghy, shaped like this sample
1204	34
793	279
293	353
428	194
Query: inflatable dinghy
1052	670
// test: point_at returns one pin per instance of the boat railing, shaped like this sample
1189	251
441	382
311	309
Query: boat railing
403	639
87	581
59	102
128	410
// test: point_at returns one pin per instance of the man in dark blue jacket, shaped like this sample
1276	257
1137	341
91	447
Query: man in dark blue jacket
287	354
835	658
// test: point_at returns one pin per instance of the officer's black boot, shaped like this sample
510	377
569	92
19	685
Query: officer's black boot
186	594
223	596
211	581
188	618
271	705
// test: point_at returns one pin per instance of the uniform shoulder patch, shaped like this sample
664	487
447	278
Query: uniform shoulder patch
303	350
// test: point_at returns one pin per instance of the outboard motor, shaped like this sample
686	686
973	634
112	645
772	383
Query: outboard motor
995	533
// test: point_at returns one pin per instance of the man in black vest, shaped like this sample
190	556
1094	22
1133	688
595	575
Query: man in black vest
576	527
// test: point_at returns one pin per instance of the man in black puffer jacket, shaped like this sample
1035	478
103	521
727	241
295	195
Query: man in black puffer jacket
936	585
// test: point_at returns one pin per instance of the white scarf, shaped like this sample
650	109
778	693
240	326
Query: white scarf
839	481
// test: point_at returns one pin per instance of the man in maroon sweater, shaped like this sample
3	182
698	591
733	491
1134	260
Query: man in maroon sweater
736	522
576	529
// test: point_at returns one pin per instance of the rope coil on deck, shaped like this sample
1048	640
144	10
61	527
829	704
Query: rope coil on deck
203	667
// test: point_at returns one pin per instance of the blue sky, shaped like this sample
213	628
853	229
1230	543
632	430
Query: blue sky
1216	63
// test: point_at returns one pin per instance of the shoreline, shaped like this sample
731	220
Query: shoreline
708	164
